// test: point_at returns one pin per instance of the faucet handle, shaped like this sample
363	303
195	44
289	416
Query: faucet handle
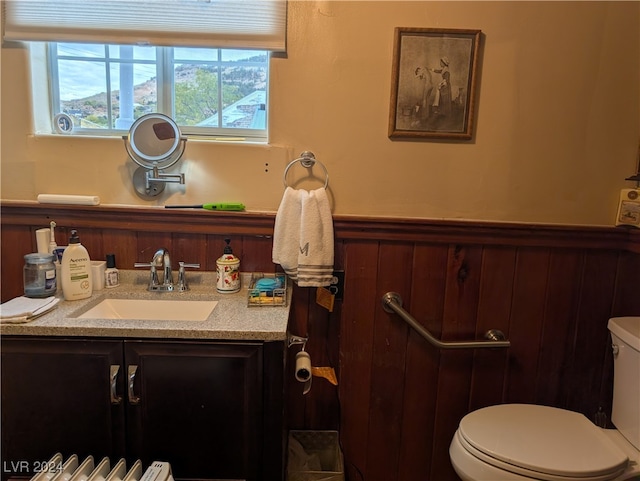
184	264
182	279
153	277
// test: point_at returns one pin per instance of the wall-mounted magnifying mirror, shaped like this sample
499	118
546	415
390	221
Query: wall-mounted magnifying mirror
154	143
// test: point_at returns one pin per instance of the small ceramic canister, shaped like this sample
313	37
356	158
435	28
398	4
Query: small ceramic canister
228	271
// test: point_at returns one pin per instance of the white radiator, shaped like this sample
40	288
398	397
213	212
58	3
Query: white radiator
57	469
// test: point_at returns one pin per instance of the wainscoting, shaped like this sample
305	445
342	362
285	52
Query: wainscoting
550	289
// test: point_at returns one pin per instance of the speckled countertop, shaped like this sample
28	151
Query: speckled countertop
231	319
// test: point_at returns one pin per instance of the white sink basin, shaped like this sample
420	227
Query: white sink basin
151	310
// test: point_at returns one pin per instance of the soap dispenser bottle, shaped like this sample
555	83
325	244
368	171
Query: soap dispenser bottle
228	271
76	270
111	274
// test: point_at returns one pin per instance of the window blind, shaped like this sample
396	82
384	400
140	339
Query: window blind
254	24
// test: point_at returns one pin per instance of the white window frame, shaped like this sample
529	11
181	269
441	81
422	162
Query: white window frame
165	95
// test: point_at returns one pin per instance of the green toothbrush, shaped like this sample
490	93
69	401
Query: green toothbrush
212	206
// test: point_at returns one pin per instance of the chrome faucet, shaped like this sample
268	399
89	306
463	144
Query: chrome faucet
162	259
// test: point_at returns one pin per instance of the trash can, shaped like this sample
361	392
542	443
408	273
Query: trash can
314	456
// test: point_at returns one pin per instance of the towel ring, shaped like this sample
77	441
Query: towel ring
308	160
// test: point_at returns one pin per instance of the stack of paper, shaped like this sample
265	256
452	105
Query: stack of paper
24	309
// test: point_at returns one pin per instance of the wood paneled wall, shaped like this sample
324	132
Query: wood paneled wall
550	289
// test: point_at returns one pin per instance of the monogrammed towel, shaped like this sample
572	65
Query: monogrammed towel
315	259
303	237
286	232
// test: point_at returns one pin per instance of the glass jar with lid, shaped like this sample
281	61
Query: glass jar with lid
39	275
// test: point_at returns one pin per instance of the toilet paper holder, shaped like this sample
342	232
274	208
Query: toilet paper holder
303	361
295	340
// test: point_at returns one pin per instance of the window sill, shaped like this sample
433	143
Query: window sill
191	138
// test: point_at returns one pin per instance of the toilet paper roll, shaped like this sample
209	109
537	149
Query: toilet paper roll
303	366
43	237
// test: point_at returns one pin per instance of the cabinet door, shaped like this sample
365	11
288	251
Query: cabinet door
196	405
57	397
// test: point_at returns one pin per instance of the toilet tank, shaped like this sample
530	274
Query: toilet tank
625	337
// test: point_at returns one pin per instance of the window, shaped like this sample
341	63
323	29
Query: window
208	91
208	67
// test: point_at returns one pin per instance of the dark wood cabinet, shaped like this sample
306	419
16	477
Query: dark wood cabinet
196	405
56	397
209	408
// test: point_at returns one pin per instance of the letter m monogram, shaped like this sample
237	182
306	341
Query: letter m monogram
305	250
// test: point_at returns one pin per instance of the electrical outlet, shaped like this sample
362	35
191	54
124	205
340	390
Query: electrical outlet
337	285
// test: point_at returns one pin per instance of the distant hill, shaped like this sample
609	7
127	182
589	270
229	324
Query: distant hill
145	94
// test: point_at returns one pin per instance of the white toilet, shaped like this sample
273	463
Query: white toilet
531	442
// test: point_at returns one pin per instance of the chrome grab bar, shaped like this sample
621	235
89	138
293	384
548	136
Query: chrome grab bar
392	302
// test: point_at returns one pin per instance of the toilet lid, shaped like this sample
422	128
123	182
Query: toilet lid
543	439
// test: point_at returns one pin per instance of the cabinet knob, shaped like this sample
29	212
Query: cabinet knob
133	369
115	369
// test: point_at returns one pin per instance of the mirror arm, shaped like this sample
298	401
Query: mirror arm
154	175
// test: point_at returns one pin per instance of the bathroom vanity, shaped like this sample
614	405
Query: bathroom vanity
206	396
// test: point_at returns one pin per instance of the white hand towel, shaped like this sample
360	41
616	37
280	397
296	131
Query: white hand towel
286	232
303	237
23	309
315	259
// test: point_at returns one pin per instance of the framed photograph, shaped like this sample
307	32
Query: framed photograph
433	84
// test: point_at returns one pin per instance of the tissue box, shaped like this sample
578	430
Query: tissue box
260	297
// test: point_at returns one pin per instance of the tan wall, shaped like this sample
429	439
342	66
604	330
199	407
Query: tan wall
557	125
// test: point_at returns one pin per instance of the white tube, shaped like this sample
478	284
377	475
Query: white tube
43	238
68	199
